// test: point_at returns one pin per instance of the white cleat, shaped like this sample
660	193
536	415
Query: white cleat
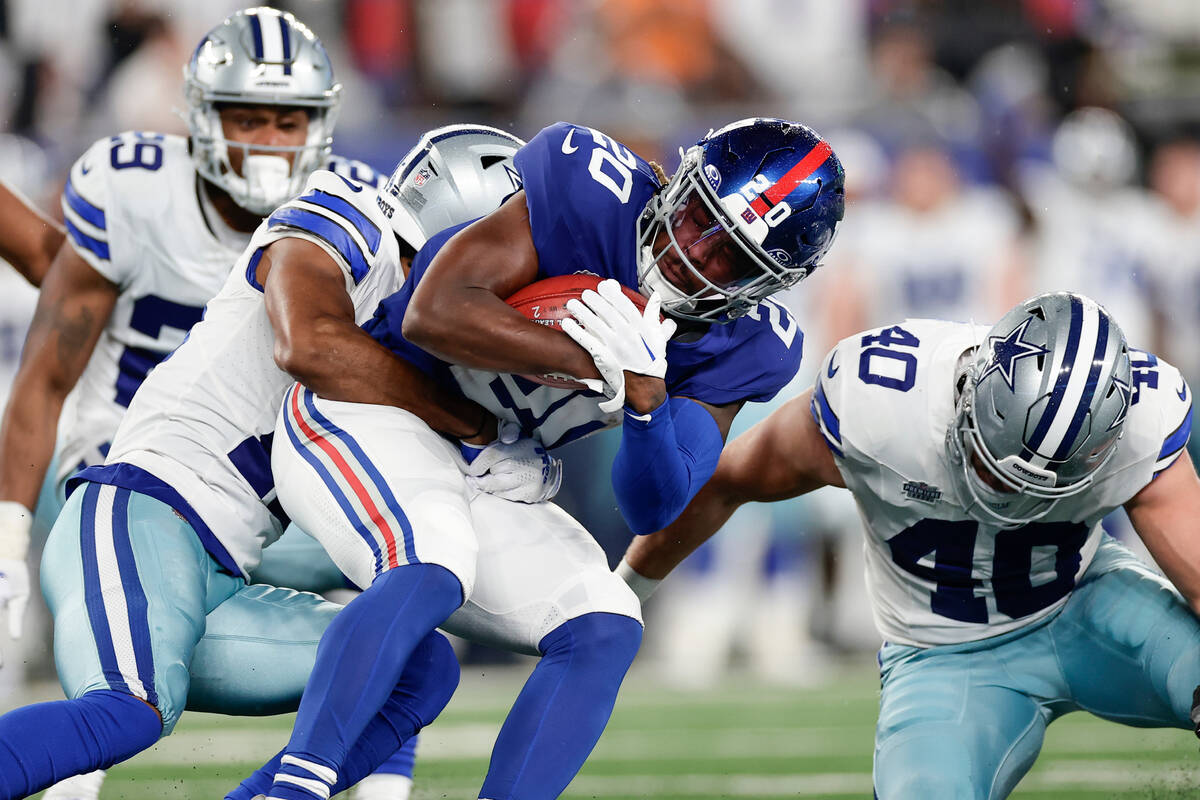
382	786
79	787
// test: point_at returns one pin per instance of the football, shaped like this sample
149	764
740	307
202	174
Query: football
545	302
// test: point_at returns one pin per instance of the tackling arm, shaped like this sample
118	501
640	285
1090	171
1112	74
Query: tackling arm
458	313
783	456
1165	514
318	343
29	239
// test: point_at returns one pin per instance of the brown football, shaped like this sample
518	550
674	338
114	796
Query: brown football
545	302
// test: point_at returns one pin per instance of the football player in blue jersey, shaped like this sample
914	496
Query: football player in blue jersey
982	462
751	210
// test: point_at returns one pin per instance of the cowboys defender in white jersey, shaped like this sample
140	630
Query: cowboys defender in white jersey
145	567
982	463
154	224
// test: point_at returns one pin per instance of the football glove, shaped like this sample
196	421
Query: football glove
512	467
15	523
619	337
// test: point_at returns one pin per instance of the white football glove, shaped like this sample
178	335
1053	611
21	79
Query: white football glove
15	523
618	337
513	468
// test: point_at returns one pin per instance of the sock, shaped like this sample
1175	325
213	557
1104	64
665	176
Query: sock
563	708
402	761
80	787
42	744
360	660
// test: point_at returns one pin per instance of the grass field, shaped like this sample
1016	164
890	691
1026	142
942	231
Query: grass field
740	741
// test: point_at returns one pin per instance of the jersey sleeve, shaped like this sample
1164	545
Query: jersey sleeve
358	171
754	358
87	205
584	192
340	216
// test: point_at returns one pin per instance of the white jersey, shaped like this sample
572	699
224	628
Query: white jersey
198	433
137	212
942	264
1097	243
885	401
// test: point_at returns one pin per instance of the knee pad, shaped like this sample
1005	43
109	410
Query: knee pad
601	639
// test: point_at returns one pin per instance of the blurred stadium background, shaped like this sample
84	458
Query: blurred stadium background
992	149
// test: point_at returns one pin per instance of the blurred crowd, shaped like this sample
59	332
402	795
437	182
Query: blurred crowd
991	150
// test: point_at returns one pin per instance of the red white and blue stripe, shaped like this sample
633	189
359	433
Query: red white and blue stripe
113	595
355	482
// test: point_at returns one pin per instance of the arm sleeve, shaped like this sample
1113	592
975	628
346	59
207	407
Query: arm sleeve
663	461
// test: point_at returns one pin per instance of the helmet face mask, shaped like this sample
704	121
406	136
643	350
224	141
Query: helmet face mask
1042	408
750	211
260	57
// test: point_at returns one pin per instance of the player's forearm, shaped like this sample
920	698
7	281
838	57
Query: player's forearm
474	328
655	555
339	361
27	437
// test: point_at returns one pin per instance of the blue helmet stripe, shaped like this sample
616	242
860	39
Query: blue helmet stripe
1089	391
256	31
285	36
1064	377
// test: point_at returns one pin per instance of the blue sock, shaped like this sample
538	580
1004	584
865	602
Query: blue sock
360	660
563	708
42	744
402	761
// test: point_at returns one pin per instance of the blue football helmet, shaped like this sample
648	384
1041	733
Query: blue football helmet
751	210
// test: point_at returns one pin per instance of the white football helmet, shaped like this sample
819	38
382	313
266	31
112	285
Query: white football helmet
260	56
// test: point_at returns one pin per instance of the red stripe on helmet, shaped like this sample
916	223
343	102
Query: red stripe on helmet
792	178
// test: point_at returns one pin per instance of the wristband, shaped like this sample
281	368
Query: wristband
642	586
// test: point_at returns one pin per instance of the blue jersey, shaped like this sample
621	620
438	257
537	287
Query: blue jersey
585	193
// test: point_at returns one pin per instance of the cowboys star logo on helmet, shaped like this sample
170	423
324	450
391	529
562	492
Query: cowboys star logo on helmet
1006	350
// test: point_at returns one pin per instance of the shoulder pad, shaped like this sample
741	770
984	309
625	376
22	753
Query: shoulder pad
341	213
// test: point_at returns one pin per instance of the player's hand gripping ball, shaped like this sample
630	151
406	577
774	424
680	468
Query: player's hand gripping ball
545	302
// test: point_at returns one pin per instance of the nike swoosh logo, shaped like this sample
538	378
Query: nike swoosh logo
1182	390
833	368
84	169
567	147
353	187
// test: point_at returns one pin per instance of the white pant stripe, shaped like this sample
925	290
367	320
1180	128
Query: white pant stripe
114	592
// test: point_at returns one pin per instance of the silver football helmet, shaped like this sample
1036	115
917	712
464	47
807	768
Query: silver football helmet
1095	149
1042	406
260	56
453	174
